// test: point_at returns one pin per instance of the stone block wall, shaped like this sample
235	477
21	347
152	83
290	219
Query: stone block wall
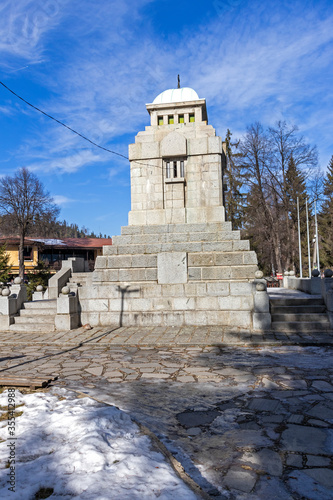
156	199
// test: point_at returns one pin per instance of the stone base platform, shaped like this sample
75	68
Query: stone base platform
174	275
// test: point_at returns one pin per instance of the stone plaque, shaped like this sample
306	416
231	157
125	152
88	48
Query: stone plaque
172	267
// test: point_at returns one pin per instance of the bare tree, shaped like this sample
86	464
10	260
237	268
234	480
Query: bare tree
287	146
264	163
255	162
22	199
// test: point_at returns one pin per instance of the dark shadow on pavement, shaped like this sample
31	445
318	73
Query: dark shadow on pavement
60	352
12	357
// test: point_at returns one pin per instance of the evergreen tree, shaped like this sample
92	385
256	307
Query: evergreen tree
325	219
5	268
295	188
39	276
258	230
273	163
233	198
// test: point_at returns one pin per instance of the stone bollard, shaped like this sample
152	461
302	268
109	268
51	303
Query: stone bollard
19	291
7	309
329	299
67	317
327	293
315	282
261	314
10	302
39	293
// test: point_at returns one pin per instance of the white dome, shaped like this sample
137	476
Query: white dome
176	95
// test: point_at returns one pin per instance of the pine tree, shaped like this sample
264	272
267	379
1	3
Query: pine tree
39	276
233	198
325	219
295	188
5	268
258	231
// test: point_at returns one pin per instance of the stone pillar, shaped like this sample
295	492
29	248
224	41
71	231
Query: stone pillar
262	320
67	317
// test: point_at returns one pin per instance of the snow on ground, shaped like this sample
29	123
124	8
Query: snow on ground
82	449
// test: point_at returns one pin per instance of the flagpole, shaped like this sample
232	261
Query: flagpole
299	242
308	237
317	239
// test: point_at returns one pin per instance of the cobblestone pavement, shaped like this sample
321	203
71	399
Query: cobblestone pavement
166	336
252	420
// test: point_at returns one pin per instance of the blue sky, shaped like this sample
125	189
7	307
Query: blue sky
94	66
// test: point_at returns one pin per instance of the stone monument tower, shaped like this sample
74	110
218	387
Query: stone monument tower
176	169
177	262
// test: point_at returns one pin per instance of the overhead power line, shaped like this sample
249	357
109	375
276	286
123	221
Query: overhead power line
64	124
78	133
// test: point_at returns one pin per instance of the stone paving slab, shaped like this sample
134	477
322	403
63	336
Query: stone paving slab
167	336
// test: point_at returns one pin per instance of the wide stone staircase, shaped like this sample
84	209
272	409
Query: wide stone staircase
214	251
39	315
36	316
303	314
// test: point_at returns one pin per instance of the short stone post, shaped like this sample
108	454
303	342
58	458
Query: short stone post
315	282
327	293
329	304
39	293
67	317
7	309
11	301
285	281
19	291
262	320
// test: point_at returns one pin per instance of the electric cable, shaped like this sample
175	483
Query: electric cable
78	133
63	124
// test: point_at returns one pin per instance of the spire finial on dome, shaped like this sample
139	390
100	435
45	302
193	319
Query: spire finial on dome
178	81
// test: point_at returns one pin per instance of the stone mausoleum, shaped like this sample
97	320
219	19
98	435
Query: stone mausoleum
178	262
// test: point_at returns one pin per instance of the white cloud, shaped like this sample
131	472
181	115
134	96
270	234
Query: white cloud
23	24
245	63
62	200
67	164
5	111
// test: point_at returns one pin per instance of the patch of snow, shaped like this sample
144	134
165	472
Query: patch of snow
83	449
50	241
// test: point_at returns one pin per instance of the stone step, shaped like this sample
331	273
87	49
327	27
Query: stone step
186	246
299	326
141	239
40	304
290	317
82	275
211	227
38	312
207	259
297	302
305	309
49	318
80	279
125	275
194	273
29	327
73	281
